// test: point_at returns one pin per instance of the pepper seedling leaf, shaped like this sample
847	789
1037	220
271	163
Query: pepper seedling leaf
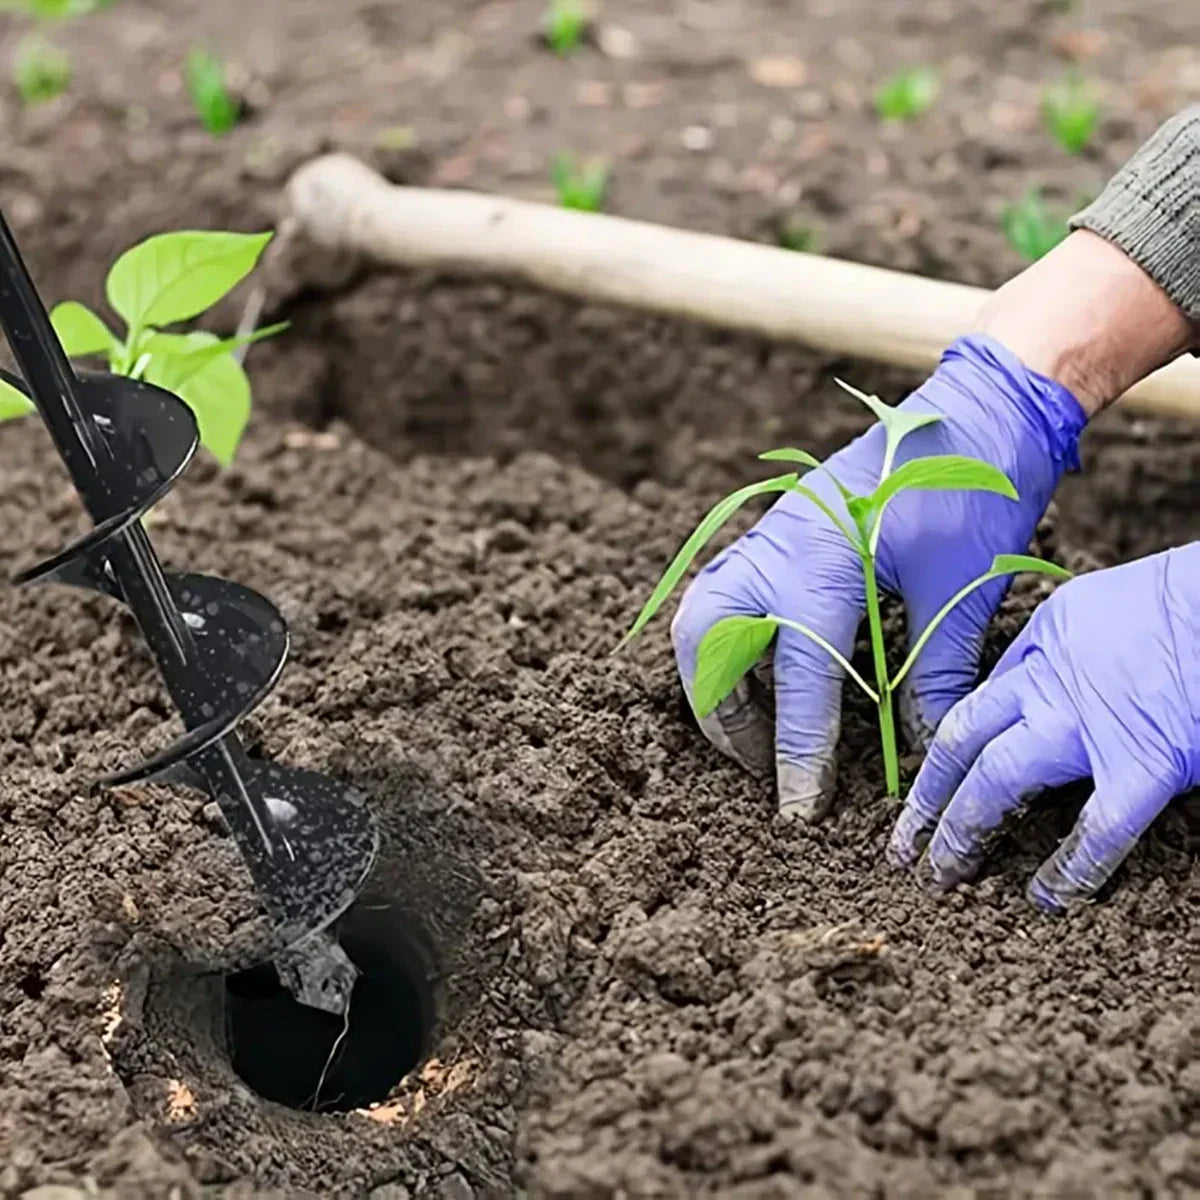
715	518
176	276
1002	564
80	330
790	454
218	393
13	402
191	361
726	652
943	472
898	423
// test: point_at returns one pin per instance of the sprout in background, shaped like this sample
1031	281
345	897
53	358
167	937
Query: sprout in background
580	185
907	94
218	111
1031	228
1071	113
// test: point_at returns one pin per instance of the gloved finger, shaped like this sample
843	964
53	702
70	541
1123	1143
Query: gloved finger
1119	812
1037	752
740	726
948	665
808	692
965	730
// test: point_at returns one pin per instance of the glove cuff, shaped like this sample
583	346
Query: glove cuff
1045	405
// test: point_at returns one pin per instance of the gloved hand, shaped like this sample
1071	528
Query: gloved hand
1104	681
795	564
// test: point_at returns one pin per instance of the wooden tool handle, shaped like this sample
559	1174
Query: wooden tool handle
843	307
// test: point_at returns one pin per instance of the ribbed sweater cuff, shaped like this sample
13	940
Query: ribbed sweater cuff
1151	210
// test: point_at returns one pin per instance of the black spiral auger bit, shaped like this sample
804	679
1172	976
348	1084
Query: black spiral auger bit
307	840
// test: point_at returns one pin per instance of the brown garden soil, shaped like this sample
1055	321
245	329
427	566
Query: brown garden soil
640	982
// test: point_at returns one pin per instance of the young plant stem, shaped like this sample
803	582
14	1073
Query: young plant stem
887	728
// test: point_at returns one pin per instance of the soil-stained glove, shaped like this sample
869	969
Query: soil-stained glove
1104	682
795	564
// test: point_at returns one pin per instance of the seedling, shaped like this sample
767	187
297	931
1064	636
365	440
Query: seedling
1071	113
580	185
907	94
41	71
564	25
797	234
733	645
1031	228
162	281
217	109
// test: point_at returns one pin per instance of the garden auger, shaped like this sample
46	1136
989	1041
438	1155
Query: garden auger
307	840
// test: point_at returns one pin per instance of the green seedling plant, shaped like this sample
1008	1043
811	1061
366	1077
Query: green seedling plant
1071	113
907	94
40	70
579	185
733	645
217	110
564	25
166	280
1032	229
799	235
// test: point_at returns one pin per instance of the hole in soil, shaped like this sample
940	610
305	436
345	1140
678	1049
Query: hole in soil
281	1047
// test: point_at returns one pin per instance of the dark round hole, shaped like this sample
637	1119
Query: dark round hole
281	1047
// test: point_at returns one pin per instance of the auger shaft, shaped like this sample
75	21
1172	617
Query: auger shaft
307	841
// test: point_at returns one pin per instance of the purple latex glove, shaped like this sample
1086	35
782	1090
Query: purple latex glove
1104	681
795	564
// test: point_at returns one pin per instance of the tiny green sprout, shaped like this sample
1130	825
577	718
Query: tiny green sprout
907	94
799	235
218	111
41	71
564	25
1071	113
580	185
733	645
165	280
1031	228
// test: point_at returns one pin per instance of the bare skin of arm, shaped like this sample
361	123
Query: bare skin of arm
1090	318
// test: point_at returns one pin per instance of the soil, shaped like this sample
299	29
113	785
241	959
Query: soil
628	977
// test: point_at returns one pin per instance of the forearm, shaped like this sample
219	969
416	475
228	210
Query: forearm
1120	297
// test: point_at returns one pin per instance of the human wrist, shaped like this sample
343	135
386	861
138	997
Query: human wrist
1087	316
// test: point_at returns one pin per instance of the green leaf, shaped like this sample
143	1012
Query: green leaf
176	276
943	473
218	393
726	652
80	330
1002	564
13	402
896	421
191	361
790	454
1011	564
715	518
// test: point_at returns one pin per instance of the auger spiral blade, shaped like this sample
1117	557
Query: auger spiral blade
307	841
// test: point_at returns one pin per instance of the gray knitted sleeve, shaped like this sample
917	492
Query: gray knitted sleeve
1151	209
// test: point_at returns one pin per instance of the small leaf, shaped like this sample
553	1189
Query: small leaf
1011	564
715	518
191	361
13	402
80	330
218	393
790	454
176	276
217	109
896	421
943	472
726	652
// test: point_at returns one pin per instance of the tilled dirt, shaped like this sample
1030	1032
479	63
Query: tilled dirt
647	984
